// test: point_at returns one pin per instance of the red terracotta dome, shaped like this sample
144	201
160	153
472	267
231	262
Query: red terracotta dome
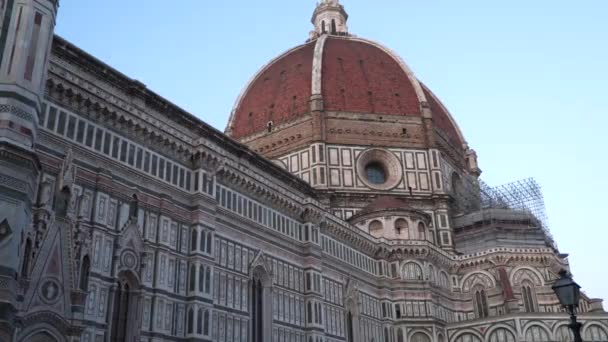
335	72
350	74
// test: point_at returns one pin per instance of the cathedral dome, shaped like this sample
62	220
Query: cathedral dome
335	72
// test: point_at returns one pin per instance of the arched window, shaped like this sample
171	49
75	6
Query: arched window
27	254
84	273
481	303
421	231
443	280
564	334
208	280
206	323
537	333
420	337
199	321
257	310
192	277
502	335
595	333
467	337
333	26
412	271
527	294
203	238
431	274
269	126
201	278
209	243
121	312
401	228
193	240
400	335
375	226
323	26
190	321
349	327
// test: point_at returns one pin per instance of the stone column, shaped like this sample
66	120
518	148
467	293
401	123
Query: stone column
25	41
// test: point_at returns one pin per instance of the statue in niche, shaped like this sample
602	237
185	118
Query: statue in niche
67	176
63	201
46	193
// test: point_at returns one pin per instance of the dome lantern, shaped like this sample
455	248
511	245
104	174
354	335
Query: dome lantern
329	17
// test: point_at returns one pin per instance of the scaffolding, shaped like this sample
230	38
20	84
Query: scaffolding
520	198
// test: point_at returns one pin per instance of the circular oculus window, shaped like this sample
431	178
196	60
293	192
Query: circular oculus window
379	169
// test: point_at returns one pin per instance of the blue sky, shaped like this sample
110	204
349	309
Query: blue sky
525	80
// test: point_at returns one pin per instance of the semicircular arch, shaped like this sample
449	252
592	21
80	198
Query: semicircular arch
474	278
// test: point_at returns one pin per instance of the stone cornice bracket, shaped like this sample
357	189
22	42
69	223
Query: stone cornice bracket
207	160
312	214
255	189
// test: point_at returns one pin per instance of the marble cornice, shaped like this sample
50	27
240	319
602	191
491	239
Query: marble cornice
81	101
257	190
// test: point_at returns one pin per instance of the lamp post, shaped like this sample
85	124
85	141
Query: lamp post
568	293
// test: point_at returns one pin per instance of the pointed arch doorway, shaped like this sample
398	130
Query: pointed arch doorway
260	293
125	313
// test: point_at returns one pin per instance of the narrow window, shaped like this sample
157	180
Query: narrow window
209	244
161	168
147	162
123	151
201	278
192	277
323	26
190	321
10	64
208	280
50	123
90	135
350	336
115	147
333	27
206	323
71	127
257	310
131	159
193	240
139	158
32	49
98	139
188	180
106	143
84	273
79	131
42	115
61	123
203	238
199	322
154	162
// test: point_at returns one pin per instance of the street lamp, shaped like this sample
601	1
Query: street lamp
568	292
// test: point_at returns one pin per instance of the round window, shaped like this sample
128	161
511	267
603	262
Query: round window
379	169
375	173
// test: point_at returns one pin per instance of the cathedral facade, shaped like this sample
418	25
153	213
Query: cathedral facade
342	203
